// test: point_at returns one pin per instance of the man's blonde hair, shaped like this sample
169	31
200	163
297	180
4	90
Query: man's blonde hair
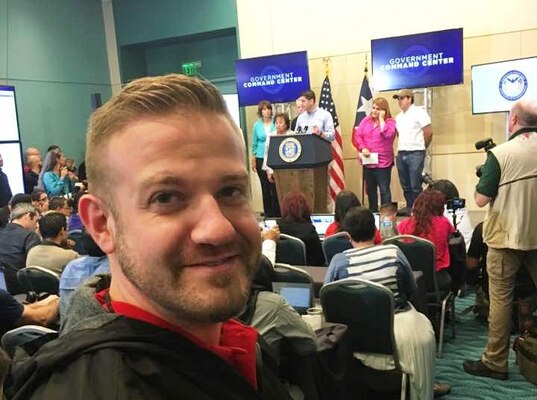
141	98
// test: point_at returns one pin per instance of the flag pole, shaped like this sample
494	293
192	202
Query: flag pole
363	177
326	61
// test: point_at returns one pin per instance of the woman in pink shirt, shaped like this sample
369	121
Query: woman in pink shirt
428	222
375	135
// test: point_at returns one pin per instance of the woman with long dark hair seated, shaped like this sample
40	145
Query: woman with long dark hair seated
296	222
428	222
345	200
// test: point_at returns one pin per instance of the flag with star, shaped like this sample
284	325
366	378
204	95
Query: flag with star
337	170
365	101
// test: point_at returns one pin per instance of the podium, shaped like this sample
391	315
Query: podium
300	163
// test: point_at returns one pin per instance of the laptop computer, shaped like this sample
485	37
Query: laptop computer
377	220
298	295
2	279
270	222
321	223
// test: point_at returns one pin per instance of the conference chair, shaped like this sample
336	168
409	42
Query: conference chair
336	244
76	236
38	279
367	308
421	254
286	273
290	250
24	335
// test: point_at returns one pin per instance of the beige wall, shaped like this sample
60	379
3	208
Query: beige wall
342	30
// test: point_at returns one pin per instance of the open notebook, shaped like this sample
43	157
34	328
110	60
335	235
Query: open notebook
298	295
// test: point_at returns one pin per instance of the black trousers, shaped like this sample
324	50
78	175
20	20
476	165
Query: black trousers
271	206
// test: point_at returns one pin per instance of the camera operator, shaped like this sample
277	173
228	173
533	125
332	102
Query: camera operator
509	185
464	225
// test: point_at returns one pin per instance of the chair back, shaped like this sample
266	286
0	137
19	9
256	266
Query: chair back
38	279
22	335
290	250
421	255
367	308
76	236
285	273
336	244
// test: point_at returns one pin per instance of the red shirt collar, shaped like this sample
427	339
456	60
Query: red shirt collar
237	342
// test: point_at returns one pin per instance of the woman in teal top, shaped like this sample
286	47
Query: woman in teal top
262	128
54	178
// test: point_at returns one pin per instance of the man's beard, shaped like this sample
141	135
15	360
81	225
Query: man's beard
168	284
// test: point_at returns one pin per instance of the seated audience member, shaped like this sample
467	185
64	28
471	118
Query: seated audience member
386	265
14	314
20	198
428	222
60	204
388	220
476	263
464	225
268	246
296	221
157	328
74	223
16	240
52	253
280	324
40	200
31	177
80	269
345	200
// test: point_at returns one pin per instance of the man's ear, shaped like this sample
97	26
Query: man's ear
98	221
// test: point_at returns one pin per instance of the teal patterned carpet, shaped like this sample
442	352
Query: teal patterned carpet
469	344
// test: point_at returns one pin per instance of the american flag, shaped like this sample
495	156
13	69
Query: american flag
337	170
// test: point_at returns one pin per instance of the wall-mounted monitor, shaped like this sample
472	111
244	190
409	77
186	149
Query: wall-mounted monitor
497	86
9	127
418	61
232	103
278	78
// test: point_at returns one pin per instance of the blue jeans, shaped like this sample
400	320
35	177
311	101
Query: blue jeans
409	167
378	178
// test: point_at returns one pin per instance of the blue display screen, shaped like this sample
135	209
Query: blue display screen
278	78
415	61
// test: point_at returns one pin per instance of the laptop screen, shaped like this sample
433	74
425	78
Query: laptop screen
2	279
377	220
321	222
298	295
270	222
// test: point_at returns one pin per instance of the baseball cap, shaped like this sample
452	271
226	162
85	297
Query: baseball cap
403	93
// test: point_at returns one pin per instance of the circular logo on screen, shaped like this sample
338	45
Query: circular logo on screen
513	85
415	68
271	84
290	149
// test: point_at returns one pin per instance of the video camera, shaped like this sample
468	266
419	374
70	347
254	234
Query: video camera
485	144
455	204
427	179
